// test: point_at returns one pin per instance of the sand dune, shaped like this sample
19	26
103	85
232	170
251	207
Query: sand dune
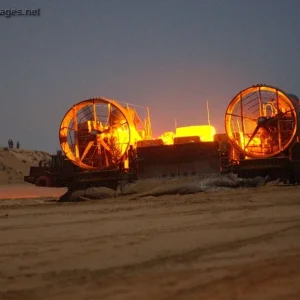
15	163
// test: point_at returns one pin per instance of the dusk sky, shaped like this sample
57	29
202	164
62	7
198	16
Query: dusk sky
169	55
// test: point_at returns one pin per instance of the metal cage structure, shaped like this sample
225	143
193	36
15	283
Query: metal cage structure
96	133
261	121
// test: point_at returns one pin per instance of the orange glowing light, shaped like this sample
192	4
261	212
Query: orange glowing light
205	132
167	137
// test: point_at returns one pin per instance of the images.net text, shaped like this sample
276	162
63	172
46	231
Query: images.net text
8	13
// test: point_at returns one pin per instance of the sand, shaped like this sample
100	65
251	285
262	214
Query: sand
233	244
29	191
213	241
15	164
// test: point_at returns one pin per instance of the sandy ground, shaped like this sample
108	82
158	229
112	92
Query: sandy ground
240	244
24	191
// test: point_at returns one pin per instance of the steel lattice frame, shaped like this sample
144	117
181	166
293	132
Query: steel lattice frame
261	121
95	133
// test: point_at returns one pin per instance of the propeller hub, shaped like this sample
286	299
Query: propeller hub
261	121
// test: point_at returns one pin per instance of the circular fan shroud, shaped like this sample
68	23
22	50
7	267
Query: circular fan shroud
261	121
95	133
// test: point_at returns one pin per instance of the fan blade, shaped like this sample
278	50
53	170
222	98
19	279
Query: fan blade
253	135
104	144
87	149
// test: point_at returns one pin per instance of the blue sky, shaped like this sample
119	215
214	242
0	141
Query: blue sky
170	55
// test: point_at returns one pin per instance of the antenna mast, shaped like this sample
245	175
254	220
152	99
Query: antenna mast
208	117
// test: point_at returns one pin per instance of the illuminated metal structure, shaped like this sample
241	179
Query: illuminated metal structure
96	133
105	143
262	139
261	121
262	124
